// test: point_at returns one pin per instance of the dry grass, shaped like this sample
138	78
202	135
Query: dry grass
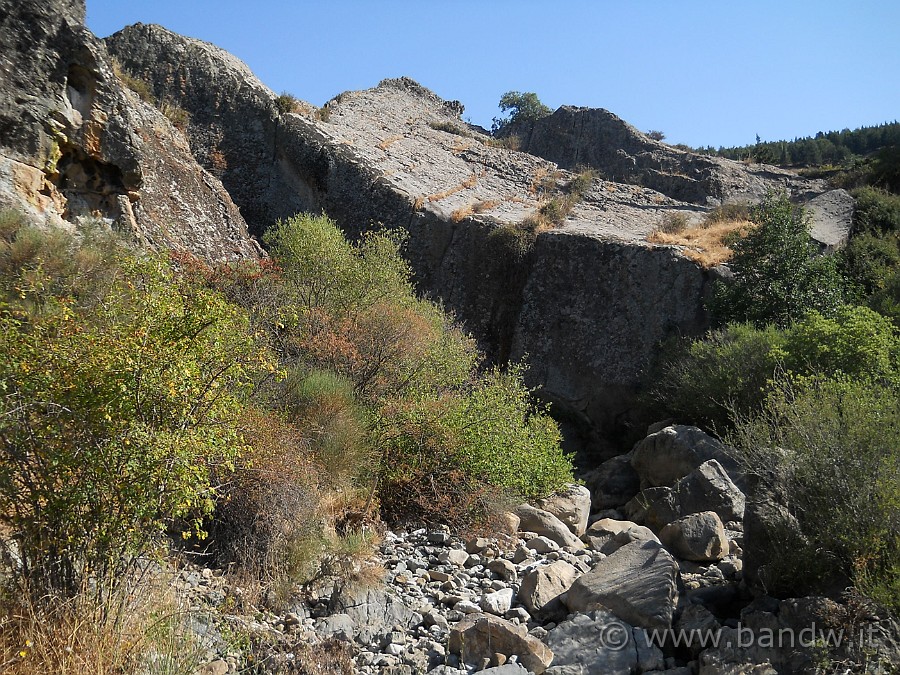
544	180
389	141
419	202
485	205
462	212
142	631
705	244
470	182
507	143
460	147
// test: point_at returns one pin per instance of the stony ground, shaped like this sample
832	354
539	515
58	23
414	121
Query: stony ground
655	585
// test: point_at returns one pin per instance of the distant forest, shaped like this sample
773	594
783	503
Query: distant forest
833	147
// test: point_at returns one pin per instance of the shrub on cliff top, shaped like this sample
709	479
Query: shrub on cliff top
778	273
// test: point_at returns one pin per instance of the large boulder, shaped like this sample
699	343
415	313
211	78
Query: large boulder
671	453
544	523
638	583
480	636
700	537
572	505
612	483
373	612
595	642
771	534
706	488
608	535
542	587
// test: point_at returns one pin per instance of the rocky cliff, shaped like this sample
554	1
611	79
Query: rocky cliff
75	142
587	301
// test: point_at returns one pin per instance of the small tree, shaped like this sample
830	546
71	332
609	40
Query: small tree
778	273
522	107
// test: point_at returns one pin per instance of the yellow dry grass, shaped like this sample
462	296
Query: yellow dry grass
470	182
703	244
461	213
485	205
389	141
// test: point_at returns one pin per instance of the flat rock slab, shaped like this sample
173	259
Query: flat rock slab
596	642
637	583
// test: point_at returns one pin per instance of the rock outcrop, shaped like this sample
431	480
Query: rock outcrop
588	301
593	137
75	143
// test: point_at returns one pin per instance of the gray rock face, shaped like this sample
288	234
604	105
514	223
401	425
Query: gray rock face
572	505
596	642
74	142
707	488
593	137
637	583
699	536
673	452
568	300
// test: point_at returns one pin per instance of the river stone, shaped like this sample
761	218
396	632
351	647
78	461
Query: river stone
608	535
572	505
480	636
699	537
542	587
373	612
638	583
497	602
545	524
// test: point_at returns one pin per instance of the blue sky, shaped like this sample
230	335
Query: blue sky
716	72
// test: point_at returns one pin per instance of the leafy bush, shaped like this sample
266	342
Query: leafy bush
828	448
877	211
364	354
523	107
446	457
778	273
729	370
856	342
287	103
732	370
113	411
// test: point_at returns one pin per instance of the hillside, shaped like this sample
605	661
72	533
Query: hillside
276	383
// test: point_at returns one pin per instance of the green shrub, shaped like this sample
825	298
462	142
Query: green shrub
450	128
113	413
454	457
856	342
877	211
731	369
778	273
828	447
287	103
